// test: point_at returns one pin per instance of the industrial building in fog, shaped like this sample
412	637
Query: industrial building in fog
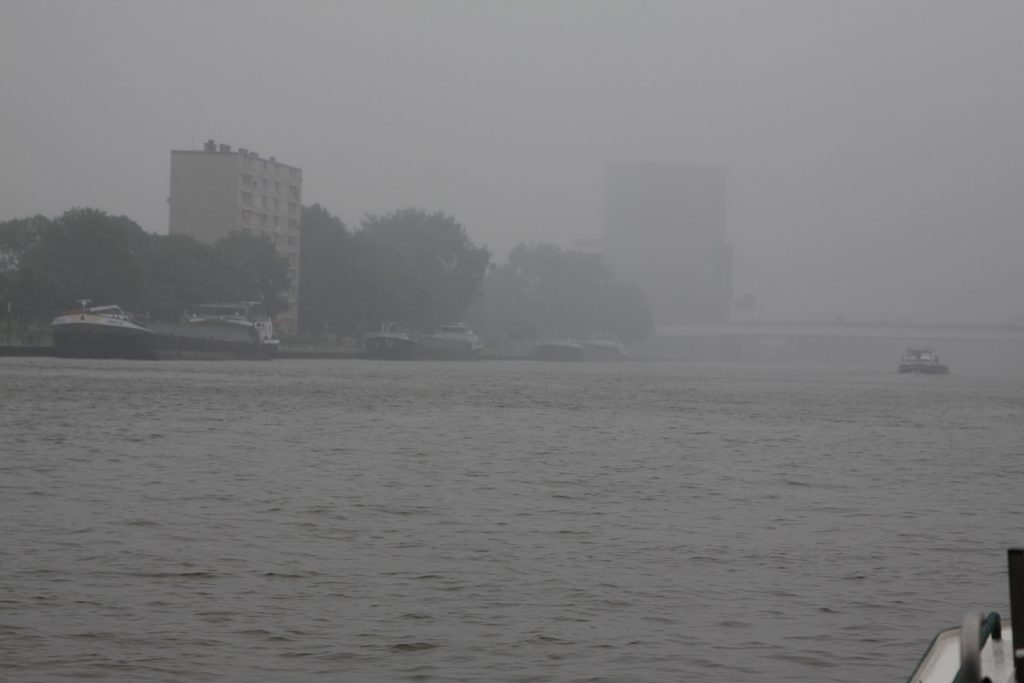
215	191
665	231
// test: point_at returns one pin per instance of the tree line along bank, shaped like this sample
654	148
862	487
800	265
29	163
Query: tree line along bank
409	266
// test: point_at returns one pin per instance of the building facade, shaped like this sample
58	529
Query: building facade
215	191
665	231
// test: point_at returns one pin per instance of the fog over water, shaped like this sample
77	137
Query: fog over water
873	148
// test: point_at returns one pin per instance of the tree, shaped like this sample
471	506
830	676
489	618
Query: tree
17	237
417	268
85	253
545	291
180	273
251	270
48	264
326	280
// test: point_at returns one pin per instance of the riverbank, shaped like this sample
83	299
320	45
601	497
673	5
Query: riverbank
25	351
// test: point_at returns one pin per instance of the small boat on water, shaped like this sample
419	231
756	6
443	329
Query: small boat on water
922	360
983	648
455	341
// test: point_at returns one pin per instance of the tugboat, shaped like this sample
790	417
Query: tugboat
923	361
983	648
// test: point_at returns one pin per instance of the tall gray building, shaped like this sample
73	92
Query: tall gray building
215	191
665	231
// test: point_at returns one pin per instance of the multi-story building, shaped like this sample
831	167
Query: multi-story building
665	231
215	191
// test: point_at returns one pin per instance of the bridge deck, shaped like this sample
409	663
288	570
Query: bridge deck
935	333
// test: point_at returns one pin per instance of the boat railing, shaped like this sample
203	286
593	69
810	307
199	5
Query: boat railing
392	328
977	630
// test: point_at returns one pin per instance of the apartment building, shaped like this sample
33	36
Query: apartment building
217	190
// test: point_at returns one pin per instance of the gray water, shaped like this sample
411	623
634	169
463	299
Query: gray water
496	521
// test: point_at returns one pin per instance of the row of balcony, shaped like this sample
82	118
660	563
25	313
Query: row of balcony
270	204
272	169
259	219
270	187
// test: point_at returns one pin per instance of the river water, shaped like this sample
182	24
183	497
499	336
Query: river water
496	521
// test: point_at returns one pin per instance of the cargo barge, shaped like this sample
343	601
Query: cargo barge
214	332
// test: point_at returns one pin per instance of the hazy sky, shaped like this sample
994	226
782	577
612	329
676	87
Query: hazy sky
874	148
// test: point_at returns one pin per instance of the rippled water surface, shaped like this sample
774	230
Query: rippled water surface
496	521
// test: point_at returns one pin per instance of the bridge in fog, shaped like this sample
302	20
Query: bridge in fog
879	345
896	331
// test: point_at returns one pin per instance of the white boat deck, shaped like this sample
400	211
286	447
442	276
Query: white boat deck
942	662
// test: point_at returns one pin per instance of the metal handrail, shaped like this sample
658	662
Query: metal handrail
974	632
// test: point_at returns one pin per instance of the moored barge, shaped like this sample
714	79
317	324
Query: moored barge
215	332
